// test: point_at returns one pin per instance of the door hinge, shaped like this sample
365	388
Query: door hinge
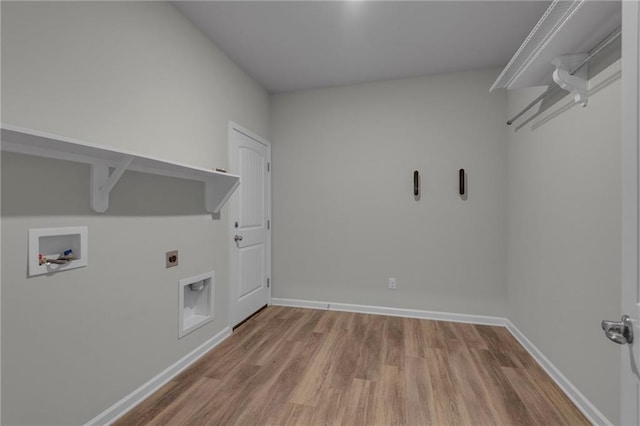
268	283
268	167
268	224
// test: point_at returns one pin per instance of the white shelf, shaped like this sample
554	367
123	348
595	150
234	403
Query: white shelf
567	27
108	165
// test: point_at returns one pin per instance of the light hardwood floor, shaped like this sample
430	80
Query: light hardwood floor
312	367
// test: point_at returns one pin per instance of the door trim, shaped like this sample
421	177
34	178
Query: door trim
630	185
235	127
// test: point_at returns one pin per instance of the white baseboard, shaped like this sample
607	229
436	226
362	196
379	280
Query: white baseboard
584	405
297	303
394	312
121	407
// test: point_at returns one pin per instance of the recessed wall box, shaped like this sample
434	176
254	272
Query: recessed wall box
196	302
57	249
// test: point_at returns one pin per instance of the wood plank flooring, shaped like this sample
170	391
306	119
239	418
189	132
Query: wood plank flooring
290	366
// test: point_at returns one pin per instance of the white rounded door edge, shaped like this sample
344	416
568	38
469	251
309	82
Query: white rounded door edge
630	352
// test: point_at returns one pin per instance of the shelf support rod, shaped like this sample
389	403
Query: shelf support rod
604	43
549	90
613	36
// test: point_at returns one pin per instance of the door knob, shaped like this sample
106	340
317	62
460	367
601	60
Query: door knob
237	238
620	332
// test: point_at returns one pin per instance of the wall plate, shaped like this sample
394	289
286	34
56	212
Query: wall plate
171	258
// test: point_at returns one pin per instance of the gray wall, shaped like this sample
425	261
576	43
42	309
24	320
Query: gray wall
136	76
564	237
344	214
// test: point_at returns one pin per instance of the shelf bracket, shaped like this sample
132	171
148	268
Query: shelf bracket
575	83
216	196
103	181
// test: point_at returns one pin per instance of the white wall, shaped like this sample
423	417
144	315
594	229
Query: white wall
344	215
564	237
137	76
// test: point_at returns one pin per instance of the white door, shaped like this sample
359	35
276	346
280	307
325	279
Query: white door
249	223
630	396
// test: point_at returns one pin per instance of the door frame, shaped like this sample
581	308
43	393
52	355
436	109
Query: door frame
629	389
234	127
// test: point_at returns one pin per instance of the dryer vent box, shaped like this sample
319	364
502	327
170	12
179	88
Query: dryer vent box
196	302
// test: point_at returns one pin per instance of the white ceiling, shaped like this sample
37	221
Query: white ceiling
292	45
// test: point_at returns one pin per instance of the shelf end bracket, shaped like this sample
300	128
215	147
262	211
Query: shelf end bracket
214	199
103	181
575	83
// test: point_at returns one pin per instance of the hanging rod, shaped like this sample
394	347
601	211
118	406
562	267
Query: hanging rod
599	47
553	87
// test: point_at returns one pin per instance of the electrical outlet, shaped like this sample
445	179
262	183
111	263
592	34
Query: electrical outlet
172	258
392	284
